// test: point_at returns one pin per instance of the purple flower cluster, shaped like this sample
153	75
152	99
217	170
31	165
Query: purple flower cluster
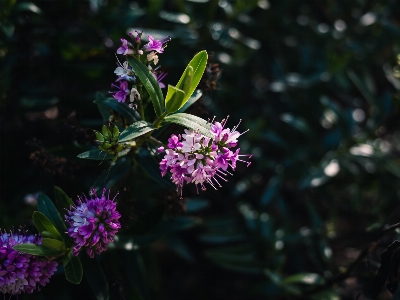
195	158
124	71
93	223
21	272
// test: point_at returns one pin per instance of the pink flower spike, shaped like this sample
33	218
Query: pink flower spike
125	48
156	45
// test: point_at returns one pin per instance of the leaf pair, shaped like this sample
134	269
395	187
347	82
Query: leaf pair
176	96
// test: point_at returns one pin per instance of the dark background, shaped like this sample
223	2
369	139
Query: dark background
316	82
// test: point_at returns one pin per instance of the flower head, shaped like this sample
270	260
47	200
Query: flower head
124	72
195	158
93	223
125	48
156	45
122	92
21	272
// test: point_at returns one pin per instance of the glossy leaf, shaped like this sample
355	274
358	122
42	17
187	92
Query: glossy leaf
149	82
198	63
174	99
135	130
61	199
42	223
47	207
47	234
73	269
53	244
95	276
129	114
190	122
39	250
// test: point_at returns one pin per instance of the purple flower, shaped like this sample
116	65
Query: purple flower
195	158
156	45
174	142
160	76
122	92
21	272
93	223
124	72
125	48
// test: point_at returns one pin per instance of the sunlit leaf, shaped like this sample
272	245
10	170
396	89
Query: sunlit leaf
190	122
135	130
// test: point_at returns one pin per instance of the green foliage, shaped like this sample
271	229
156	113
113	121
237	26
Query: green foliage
190	122
150	83
135	130
317	83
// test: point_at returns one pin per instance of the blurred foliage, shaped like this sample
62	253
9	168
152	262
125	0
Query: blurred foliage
316	82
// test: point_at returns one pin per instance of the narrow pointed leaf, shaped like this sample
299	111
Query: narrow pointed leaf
136	129
149	82
42	223
73	269
47	207
47	234
39	250
191	122
61	198
174	99
198	63
53	244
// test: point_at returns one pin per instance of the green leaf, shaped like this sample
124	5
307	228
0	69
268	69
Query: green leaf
136	129
191	122
29	6
100	155
39	250
122	109
73	269
46	206
149	82
61	198
174	99
42	223
53	244
97	279
198	63
47	234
